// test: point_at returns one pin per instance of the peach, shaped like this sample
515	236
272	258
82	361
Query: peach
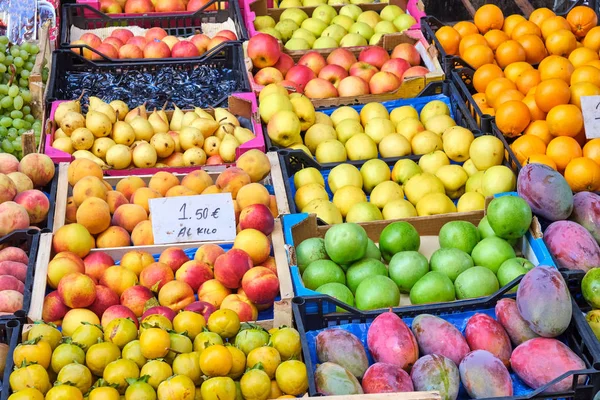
135	299
142	196
176	295
136	260
114	200
8	163
60	267
117	311
114	236
128	216
8	189
162	181
215	160
260	285
155	33
105	298
122	34
9	282
82	167
71	211
14	268
270	265
201	42
255	243
212	189
72	256
230	267
213	292
94	214
114	42
159	310
253	193
36	203
90	39
129	185
243	307
156	275
194	273
255	163
73	237
118	278
21	181
138	41
179	190
74	318
197	181
232	179
174	257
77	290
96	264
38	167
89	186
13	216
208	253
10	301
14	254
259	217
105	50
53	309
142	234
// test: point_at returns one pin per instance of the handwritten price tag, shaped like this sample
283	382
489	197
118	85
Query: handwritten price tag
209	217
590	106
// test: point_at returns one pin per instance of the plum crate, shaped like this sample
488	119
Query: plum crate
10	334
578	337
77	19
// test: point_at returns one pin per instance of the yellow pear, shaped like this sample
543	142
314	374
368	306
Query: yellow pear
304	109
82	139
59	134
223	116
439	123
243	135
425	142
175	136
486	151
95	102
190	137
144	155
308	193
64	107
433	108
224	129
194	156
386	192
474	182
159	125
378	128
63	144
88	155
142	128
188	118
98	123
299	146
176	119
71	121
101	146
203	114
469	166
347	128
211	146
120	107
227	149
404	170
136	112
123	133
457	141
119	156
317	134
498	179
373	173
364	212
108	111
163	143
162	113
471	201
206	126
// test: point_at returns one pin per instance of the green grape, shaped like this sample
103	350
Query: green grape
16	114
4	89
18	61
18	102
8	60
26	125
6	122
15	51
34	49
37	131
25	74
3	70
37	123
17	144
23	83
25	47
3	130
4	40
6	102
13	90
2	56
28	66
3	48
12	133
30	119
24	54
22	131
26	109
7	146
18	123
26	95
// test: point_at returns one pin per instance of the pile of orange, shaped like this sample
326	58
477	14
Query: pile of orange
540	107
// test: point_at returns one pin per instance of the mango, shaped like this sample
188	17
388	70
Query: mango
484	375
438	336
586	212
485	333
434	372
544	302
386	378
512	322
390	341
572	246
332	379
546	191
541	360
343	348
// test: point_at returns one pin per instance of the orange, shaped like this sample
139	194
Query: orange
595	64
495	37
539	129
514	70
586	73
465	28
582	55
583	174
525	28
534	110
488	17
512	118
478	55
581	89
508	95
471	40
556	67
540	159
582	19
480	100
551	93
449	39
484	75
565	120
592	150
510	52
527	145
489	111
592	39
580	138
540	15
528	80
532	91
534	46
496	87
561	43
562	150
554	24
511	21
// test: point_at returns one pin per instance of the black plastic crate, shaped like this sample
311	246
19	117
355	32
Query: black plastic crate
579	336
229	61
86	17
10	334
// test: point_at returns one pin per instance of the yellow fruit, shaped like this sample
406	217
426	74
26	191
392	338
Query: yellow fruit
471	201
434	204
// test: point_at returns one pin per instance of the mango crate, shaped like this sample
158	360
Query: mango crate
10	335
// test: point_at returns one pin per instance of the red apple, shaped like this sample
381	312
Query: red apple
114	41
408	52
122	34
201	42
396	66
284	63
342	57
155	33
168	5
334	74
157	49
268	75
170	41
415	71
139	41
353	86
384	82
184	49
292	87
313	60
195	5
227	33
263	50
363	70
138	6
91	40
130	51
217	40
375	55
300	74
106	49
320	89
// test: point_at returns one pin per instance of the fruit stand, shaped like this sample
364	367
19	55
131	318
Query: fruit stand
237	199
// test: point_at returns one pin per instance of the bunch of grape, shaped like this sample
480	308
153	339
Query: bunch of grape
16	63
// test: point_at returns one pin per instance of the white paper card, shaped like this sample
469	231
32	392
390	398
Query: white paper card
207	217
590	106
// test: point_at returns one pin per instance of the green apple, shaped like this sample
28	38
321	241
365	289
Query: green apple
353	39
337	2
370	18
263	22
295	14
325	13
350	10
385	27
306	35
403	22
297	44
343	20
286	27
273	32
335	32
313	3
314	26
362	29
389	13
290	3
375	39
325	42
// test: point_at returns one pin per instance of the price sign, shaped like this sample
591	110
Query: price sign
209	217
590	106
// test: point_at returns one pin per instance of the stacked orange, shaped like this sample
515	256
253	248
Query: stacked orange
540	107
